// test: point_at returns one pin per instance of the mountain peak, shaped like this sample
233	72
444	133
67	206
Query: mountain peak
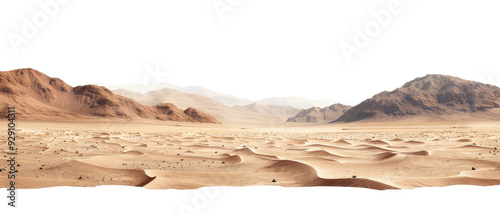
432	95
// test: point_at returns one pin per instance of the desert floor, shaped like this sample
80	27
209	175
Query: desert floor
161	155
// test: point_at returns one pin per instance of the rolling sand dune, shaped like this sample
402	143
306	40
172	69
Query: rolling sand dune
168	155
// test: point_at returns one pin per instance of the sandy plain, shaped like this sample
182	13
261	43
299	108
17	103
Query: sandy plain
172	155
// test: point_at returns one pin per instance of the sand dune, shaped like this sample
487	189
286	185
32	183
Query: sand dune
162	156
77	173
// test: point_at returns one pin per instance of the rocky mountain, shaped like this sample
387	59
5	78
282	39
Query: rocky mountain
316	114
433	96
36	95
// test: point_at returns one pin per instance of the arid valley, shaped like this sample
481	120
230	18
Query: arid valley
185	156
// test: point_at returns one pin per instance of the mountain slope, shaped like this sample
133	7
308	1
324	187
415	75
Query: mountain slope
432	96
36	96
316	114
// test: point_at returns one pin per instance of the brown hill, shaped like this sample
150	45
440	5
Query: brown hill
221	111
275	110
36	96
433	96
316	114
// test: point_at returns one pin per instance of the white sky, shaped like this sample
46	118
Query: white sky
263	48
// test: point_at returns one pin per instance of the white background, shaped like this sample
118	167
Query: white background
261	48
256	200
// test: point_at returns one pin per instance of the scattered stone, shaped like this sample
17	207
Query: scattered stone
354	176
274	181
80	178
473	168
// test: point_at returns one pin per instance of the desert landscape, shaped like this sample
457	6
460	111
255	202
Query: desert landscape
433	131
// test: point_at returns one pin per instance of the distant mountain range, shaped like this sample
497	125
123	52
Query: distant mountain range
434	97
229	100
38	96
275	110
226	114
